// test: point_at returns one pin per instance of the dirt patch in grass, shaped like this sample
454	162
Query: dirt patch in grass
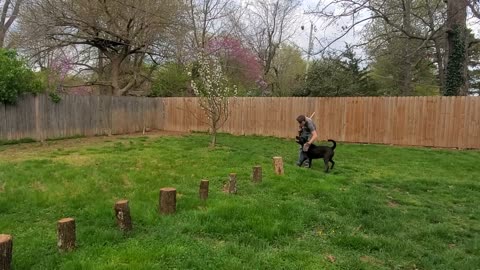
393	204
37	185
21	152
371	260
76	159
126	181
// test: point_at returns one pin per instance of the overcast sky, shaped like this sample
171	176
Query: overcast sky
325	34
322	33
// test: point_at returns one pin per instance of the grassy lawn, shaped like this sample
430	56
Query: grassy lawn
381	207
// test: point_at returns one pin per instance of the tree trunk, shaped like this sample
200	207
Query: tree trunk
214	133
406	75
6	251
205	12
168	201
2	38
441	68
456	81
103	89
122	213
115	75
66	234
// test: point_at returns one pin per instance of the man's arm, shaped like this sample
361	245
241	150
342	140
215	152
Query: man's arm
314	137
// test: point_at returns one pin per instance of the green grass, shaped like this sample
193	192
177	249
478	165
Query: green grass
380	208
12	142
65	138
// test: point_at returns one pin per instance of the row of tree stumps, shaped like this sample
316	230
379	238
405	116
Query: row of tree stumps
66	228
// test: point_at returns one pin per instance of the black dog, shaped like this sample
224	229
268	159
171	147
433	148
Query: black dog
314	152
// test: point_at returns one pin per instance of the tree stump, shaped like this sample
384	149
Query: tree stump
168	201
278	165
232	183
203	192
257	174
122	213
66	234
6	251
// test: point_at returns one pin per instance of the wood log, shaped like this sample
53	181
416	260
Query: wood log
203	192
168	201
232	183
122	214
66	234
278	165
6	251
257	174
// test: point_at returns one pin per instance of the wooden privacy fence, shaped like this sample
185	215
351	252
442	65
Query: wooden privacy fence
420	121
40	118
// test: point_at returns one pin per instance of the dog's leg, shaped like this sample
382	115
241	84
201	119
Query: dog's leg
326	165
309	163
303	161
333	163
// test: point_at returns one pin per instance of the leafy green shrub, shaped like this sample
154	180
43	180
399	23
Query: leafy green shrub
171	80
15	77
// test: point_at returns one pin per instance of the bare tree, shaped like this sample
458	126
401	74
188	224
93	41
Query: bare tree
205	19
474	6
269	24
10	10
419	24
124	33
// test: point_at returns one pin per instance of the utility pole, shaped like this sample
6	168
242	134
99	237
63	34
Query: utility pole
310	43
310	46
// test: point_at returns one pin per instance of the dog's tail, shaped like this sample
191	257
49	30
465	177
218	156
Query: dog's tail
334	144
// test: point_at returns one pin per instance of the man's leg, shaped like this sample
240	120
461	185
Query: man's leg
301	157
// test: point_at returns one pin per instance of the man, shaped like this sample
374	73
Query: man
308	130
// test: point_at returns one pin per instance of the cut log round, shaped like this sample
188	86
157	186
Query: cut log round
203	192
232	183
6	251
257	174
278	165
66	234
122	214
168	201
